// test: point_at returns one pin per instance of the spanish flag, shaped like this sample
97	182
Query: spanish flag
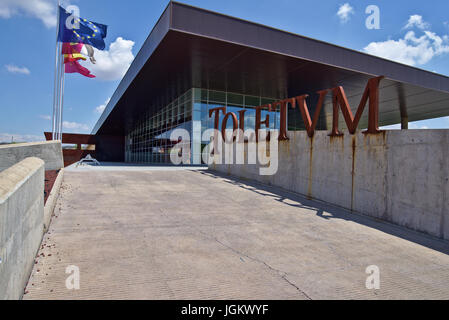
72	54
75	67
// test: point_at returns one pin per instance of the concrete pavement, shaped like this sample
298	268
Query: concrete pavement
194	234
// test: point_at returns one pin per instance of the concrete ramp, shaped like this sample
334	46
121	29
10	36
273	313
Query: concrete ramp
185	234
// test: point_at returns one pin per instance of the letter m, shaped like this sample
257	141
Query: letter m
339	100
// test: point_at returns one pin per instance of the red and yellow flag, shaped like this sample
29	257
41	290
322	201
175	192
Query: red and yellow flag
72	54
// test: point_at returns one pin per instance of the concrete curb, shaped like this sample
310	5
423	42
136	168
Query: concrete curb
51	201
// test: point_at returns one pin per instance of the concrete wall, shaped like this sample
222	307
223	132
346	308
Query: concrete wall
21	224
49	151
397	176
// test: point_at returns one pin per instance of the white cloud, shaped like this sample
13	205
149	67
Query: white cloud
8	137
75	126
391	127
435	123
45	117
411	49
101	108
411	126
15	69
417	21
417	126
112	64
45	10
344	12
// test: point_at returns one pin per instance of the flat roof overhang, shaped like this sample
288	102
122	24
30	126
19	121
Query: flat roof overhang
192	47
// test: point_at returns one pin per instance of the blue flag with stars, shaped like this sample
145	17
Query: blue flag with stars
79	30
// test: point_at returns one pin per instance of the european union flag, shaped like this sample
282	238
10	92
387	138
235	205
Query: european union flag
79	30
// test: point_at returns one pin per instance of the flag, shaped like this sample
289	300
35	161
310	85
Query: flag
72	52
79	30
73	57
76	67
73	47
90	53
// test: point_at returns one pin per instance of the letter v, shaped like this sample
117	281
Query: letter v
309	124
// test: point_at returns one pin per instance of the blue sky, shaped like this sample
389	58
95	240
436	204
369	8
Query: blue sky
413	32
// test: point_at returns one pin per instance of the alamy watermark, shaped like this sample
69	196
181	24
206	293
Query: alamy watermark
230	147
73	21
373	280
73	280
373	20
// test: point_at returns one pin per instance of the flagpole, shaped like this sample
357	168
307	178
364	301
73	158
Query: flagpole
62	101
58	93
56	89
55	94
58	105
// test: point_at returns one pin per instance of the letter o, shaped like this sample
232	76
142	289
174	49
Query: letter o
224	123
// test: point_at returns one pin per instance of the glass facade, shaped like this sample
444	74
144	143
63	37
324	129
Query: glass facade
149	140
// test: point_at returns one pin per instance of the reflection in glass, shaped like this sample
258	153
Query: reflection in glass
148	141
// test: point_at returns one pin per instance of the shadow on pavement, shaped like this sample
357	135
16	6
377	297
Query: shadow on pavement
328	211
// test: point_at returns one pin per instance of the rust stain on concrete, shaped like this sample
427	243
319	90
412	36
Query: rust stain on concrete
309	187
285	144
333	138
370	136
353	170
337	139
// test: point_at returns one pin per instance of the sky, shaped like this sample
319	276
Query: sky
413	32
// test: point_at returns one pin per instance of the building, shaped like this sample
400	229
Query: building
195	60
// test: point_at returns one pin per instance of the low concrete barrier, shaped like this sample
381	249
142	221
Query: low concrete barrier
51	201
400	176
49	151
21	224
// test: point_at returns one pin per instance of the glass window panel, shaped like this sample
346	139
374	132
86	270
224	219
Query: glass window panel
197	94
217	96
263	116
252	101
204	115
204	95
188	95
181	109
267	101
197	106
175	112
250	119
236	99
233	109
